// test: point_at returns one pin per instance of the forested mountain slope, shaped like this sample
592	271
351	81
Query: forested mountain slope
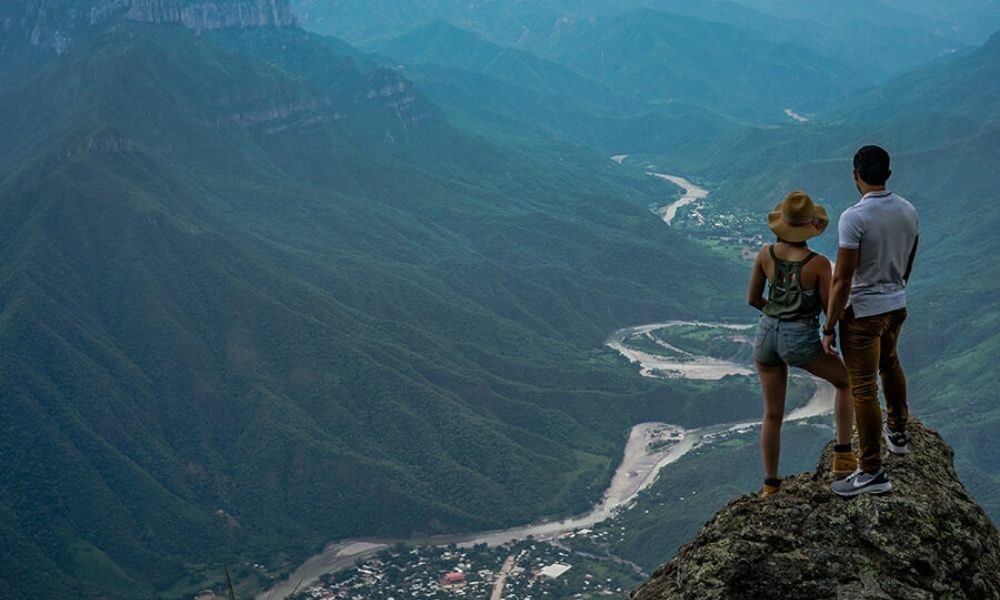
256	296
879	39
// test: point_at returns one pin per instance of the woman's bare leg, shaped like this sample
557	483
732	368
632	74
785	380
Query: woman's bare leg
773	381
832	369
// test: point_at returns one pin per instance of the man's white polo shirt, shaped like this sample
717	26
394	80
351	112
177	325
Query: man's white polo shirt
883	228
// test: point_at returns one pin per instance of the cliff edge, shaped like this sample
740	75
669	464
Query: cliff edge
55	25
928	539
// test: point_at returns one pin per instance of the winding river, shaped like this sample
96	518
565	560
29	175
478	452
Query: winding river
650	448
692	194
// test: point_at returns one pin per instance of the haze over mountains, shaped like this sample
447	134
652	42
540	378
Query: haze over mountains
262	289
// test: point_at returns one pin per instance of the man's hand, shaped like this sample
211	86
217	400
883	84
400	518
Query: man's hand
830	344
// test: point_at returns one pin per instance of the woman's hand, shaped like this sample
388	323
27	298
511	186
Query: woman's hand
830	343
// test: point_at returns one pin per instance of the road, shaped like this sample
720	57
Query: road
508	566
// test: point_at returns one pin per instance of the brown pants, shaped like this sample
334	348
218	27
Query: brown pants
869	347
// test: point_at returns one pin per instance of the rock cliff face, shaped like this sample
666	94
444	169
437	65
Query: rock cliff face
55	24
202	15
928	539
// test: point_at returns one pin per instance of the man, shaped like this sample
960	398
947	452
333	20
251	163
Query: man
878	242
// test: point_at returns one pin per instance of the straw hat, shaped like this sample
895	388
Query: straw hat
797	218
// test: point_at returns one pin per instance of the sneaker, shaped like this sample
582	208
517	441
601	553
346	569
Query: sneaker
767	490
895	440
860	482
844	463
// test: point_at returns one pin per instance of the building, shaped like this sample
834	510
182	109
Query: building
453	580
554	570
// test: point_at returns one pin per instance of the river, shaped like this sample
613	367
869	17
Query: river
638	470
692	194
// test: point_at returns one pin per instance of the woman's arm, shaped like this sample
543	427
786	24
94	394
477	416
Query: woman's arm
824	277
755	295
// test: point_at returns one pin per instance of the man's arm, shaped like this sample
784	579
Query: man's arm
843	274
909	263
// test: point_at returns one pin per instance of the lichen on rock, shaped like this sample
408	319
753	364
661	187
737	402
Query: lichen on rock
928	539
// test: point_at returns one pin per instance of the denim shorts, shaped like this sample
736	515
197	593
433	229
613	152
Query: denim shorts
794	343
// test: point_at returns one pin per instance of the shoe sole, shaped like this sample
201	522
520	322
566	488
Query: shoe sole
898	450
876	489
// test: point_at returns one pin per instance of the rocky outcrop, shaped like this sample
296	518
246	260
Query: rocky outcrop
110	143
55	24
46	24
928	539
275	108
202	15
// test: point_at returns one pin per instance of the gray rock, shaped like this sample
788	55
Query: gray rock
54	24
927	539
202	15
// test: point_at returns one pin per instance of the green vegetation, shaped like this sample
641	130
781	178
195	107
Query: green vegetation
718	342
687	494
261	290
651	344
259	305
885	37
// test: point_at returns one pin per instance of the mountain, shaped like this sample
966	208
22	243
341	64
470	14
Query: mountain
877	49
669	58
939	90
259	294
57	24
969	21
926	539
507	93
262	290
653	56
846	12
851	35
441	43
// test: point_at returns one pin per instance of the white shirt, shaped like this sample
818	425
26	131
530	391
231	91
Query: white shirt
883	228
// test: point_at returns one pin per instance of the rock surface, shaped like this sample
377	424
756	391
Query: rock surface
202	15
928	539
54	24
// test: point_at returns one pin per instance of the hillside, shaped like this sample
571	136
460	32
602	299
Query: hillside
884	40
652	56
258	295
926	539
969	21
670	58
514	95
262	290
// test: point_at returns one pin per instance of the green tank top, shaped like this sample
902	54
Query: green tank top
785	297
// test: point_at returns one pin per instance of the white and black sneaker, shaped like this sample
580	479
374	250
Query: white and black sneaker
895	440
860	482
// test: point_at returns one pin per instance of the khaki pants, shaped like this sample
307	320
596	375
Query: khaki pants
869	347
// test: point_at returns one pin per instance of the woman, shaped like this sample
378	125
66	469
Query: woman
788	332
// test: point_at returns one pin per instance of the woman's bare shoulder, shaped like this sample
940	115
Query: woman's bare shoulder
820	262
